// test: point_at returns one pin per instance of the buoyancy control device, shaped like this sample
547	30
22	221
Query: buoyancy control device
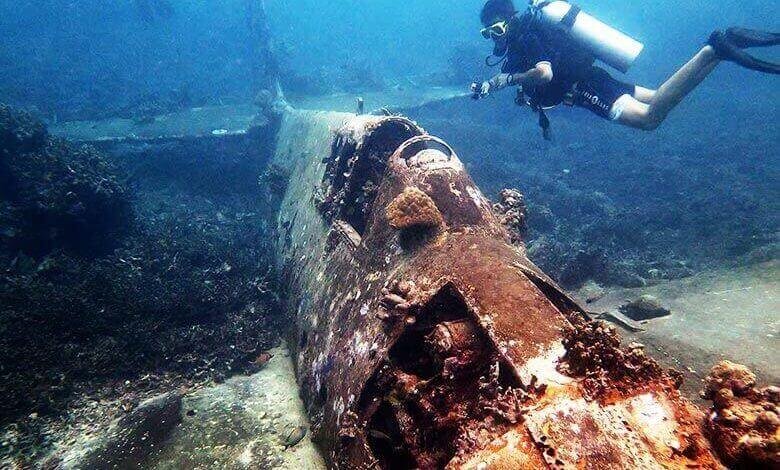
609	45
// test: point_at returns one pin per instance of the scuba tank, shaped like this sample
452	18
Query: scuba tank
608	44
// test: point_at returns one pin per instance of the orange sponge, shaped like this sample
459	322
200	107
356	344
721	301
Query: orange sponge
413	208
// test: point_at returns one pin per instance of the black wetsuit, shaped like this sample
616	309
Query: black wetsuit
574	74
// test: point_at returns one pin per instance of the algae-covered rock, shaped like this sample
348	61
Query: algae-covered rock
56	195
20	131
113	292
743	423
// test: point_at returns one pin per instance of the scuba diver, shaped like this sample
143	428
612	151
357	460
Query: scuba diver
549	52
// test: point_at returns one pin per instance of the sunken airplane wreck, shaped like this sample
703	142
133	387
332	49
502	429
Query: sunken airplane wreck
427	339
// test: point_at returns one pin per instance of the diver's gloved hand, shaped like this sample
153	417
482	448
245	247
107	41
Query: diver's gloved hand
480	91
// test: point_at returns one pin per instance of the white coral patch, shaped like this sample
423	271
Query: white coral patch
655	419
545	366
477	197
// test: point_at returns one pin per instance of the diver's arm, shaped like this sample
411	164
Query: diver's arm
541	74
500	81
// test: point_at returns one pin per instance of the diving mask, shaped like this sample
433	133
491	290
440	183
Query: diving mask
497	30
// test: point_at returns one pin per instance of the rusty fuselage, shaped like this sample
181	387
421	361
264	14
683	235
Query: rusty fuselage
425	336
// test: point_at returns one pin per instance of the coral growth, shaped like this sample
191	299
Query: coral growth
743	425
440	391
413	209
356	164
593	352
512	213
398	301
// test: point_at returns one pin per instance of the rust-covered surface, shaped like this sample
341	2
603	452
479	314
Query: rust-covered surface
427	339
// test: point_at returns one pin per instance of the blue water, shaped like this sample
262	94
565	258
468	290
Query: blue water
401	39
79	54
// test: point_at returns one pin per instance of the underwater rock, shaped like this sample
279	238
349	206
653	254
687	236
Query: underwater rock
646	307
20	131
493	365
743	423
99	279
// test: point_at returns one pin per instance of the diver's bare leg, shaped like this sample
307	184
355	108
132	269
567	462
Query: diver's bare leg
650	115
644	95
671	93
636	114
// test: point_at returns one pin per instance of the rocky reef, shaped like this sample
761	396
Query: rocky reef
119	279
56	195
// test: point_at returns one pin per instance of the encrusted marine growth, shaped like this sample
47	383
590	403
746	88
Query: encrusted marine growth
593	352
56	195
512	213
744	424
413	209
